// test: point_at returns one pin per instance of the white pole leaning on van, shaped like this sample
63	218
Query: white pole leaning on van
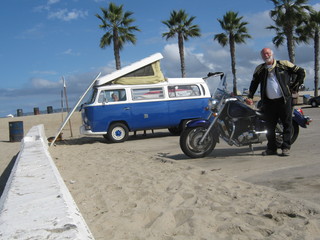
74	108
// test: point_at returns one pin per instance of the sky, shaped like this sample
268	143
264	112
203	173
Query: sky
44	41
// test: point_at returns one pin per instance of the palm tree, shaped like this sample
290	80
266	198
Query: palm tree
117	25
287	16
235	31
181	25
311	30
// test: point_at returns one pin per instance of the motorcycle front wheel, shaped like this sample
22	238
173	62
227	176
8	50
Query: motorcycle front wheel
189	142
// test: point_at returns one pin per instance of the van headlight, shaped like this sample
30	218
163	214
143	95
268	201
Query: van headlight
84	119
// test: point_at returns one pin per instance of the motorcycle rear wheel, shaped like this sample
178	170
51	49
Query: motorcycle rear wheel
189	142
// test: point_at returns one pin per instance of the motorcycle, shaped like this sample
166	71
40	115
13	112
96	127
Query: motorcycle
232	120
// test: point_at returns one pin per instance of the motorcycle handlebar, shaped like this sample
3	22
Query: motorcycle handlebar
214	74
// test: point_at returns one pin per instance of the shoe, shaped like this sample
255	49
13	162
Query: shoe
285	152
269	152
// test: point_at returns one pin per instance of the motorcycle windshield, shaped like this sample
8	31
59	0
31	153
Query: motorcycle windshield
217	87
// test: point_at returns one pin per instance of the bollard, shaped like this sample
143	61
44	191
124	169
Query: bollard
16	133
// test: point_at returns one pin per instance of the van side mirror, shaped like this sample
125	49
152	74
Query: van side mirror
105	100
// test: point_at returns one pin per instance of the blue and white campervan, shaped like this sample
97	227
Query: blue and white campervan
139	97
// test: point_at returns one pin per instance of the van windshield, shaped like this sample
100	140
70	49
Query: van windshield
92	96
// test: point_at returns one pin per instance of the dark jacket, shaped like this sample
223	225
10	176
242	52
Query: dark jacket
289	77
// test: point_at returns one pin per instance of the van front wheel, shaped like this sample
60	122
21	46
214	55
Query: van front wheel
118	132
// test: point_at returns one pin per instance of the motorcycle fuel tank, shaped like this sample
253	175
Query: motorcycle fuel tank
237	109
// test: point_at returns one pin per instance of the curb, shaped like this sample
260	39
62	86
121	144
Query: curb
36	203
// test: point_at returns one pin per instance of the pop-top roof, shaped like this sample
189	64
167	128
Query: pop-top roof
128	69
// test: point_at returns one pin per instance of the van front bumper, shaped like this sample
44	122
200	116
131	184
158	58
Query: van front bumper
85	131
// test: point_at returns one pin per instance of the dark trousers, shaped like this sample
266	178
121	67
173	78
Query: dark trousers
278	109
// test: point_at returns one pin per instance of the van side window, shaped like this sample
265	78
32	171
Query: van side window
115	95
183	91
147	93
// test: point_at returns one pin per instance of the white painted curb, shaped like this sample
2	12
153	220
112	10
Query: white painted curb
36	204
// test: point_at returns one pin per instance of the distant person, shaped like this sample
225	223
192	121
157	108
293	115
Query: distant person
115	97
276	88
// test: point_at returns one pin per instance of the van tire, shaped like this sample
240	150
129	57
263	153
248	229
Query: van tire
118	132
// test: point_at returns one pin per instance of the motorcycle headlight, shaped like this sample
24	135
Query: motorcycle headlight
213	104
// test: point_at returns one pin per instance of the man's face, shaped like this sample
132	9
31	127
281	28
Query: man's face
267	56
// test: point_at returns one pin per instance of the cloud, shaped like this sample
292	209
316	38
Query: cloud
39	83
61	14
316	6
41	92
50	2
171	51
257	24
66	15
46	7
70	52
67	52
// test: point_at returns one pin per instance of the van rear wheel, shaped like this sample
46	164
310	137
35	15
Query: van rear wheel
118	132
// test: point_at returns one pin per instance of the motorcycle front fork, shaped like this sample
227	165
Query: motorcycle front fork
216	116
209	129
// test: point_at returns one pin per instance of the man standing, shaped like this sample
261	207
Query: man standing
277	79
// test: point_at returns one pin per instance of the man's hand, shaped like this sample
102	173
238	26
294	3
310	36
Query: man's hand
249	101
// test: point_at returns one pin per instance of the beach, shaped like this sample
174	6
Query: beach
132	190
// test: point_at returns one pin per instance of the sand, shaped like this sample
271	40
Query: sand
131	191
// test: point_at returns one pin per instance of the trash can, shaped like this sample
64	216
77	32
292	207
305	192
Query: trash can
16	133
49	109
306	98
36	111
19	112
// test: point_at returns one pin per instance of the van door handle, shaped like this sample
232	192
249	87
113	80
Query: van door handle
126	108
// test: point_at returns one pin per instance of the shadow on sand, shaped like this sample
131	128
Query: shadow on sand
6	174
226	153
101	139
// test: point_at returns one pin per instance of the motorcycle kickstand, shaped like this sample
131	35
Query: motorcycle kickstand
251	148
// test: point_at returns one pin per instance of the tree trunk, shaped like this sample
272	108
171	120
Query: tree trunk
116	50
181	53
316	62
233	64
290	45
